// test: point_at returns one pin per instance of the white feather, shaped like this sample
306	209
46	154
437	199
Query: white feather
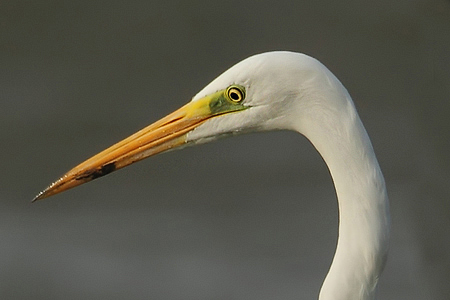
293	91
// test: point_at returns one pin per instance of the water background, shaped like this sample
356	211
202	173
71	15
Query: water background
253	217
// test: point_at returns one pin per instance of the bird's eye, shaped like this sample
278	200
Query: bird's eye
235	93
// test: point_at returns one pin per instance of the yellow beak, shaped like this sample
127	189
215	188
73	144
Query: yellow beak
168	133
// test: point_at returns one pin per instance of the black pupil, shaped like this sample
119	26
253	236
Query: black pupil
234	96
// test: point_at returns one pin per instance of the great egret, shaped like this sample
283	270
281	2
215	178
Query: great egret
280	90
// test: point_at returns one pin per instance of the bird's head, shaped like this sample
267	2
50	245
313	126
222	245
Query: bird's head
253	95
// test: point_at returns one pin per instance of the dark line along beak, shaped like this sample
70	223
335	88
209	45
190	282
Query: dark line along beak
167	133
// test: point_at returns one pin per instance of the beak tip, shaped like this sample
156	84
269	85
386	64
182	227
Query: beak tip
43	194
52	189
38	197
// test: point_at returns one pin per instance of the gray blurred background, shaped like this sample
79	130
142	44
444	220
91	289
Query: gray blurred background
253	217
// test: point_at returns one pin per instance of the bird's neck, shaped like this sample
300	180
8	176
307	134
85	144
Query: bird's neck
363	239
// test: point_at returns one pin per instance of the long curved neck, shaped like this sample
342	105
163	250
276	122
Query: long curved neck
363	218
341	139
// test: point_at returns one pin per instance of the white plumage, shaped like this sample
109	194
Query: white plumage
296	92
281	90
